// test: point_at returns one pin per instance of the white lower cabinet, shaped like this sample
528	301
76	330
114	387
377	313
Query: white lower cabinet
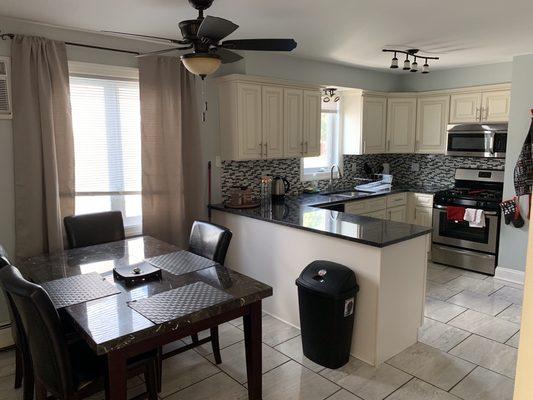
412	208
398	214
423	216
381	214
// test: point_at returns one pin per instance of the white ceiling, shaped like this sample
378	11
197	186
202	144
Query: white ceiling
461	32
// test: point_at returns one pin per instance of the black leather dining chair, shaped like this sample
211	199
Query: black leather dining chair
65	370
210	241
90	229
23	366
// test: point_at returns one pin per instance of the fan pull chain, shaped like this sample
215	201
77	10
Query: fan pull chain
204	98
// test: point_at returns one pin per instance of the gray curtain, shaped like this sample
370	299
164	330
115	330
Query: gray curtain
43	144
172	194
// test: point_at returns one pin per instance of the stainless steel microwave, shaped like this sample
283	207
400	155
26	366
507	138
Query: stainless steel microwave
477	140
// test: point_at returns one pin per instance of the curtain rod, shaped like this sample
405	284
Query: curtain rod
5	36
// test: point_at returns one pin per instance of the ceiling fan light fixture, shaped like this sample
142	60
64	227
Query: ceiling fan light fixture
201	64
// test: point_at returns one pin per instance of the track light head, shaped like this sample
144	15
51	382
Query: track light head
407	64
414	66
425	68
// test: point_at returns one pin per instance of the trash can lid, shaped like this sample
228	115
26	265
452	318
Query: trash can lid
328	278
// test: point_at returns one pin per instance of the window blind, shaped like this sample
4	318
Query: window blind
107	145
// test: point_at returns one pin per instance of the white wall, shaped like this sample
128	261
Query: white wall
513	241
457	77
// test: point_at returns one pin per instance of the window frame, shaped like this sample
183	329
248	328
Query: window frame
316	174
111	72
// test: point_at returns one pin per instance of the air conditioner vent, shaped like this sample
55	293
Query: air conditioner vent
5	89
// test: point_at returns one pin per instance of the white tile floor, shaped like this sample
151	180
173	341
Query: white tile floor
466	350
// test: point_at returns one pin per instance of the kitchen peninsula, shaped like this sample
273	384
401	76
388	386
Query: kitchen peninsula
273	244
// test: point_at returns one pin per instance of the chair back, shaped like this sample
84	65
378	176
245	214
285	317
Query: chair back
42	328
210	241
17	330
91	229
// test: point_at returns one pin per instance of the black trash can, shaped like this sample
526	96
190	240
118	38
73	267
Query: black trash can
326	296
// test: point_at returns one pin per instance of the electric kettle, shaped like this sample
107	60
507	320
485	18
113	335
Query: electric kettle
280	187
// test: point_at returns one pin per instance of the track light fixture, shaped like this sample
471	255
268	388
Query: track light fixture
329	95
407	65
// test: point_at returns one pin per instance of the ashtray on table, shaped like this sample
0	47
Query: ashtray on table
137	273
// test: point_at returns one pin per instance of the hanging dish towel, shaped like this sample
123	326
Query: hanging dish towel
524	166
454	213
475	218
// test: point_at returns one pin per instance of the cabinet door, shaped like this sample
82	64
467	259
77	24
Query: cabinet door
432	118
374	124
272	104
249	121
293	122
465	107
382	214
496	106
401	125
423	216
311	123
398	214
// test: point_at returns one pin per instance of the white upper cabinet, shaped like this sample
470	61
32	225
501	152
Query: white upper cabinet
263	118
401	125
485	106
465	107
374	124
272	116
432	118
311	123
496	106
250	129
293	122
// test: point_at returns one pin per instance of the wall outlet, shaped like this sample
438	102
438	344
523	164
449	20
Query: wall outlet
218	162
415	167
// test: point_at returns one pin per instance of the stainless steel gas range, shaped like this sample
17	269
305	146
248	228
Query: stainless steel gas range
458	244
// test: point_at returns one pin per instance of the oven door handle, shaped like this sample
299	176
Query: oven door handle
444	208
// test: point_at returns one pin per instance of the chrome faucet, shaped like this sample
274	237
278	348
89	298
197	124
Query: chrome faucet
331	175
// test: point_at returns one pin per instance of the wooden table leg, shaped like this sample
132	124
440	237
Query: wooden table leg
117	373
252	340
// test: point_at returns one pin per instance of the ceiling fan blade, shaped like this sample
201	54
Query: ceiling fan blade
261	44
153	53
215	28
227	56
147	37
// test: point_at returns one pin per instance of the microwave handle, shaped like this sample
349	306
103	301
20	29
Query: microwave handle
443	208
491	143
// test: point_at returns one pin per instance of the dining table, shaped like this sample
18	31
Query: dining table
132	319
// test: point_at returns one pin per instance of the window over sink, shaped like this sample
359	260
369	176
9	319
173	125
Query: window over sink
314	168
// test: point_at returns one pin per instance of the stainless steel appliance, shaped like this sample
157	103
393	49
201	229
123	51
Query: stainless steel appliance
280	187
456	243
477	140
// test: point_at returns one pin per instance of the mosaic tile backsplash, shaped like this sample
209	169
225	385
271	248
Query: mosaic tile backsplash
433	170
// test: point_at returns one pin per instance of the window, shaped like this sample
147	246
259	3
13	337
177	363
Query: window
107	146
319	167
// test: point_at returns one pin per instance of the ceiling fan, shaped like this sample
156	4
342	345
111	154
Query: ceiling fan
204	36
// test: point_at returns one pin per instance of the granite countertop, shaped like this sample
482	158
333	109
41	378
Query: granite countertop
304	212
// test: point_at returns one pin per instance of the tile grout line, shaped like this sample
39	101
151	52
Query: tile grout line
401	386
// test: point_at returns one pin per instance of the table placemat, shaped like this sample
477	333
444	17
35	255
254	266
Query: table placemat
179	302
181	262
78	289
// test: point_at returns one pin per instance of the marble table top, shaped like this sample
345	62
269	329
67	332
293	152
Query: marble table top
109	323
